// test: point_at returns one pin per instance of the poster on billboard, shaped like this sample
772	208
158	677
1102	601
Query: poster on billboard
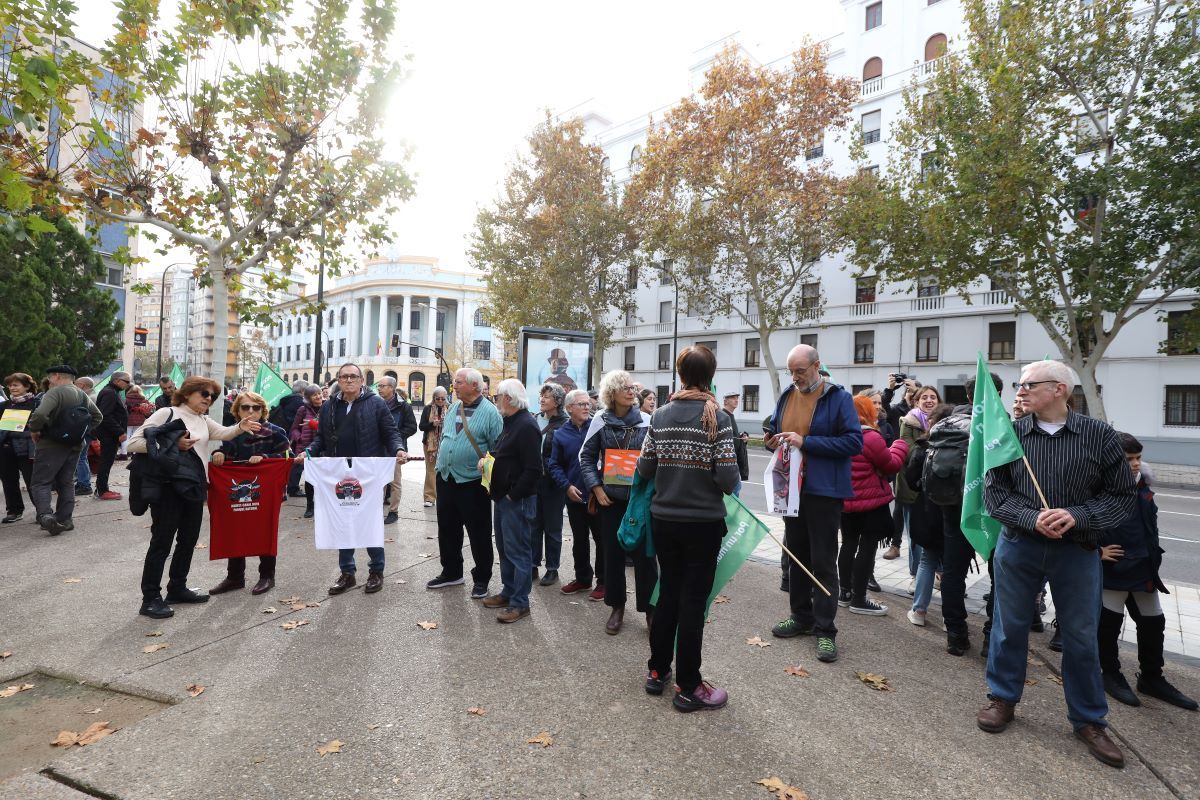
557	356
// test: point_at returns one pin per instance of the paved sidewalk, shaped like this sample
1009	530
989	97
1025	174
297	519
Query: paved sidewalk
1175	476
362	672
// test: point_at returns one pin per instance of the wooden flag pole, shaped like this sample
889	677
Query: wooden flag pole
791	555
1036	485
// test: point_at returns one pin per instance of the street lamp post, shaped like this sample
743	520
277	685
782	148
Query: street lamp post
438	353
162	299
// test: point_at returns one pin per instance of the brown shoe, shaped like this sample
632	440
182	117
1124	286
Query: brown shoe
344	582
995	716
263	586
495	601
228	585
891	553
374	582
511	614
613	626
1100	746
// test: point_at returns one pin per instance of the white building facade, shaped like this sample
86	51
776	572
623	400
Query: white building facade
867	329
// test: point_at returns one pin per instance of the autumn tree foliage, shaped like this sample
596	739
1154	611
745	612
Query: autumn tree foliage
553	243
1054	153
724	188
250	102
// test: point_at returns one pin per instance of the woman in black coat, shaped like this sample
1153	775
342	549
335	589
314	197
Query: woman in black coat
16	447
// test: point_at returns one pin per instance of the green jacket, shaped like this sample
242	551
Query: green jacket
910	433
58	399
456	457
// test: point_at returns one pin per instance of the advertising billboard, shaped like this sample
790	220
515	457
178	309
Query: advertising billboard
557	356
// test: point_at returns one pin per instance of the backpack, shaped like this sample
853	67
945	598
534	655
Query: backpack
71	424
945	463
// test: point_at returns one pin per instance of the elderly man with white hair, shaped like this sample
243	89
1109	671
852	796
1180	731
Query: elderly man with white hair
515	473
470	430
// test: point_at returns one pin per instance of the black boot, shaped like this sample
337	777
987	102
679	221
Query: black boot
1151	631
1106	639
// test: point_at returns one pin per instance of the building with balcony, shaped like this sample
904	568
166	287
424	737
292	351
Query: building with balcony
393	316
865	328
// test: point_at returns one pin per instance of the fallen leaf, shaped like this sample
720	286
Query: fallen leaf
401	580
427	626
758	642
721	599
65	739
73	580
543	738
287	601
389	541
877	682
94	733
291	626
312	605
332	747
575	602
1056	679
154	648
1031	681
195	690
5	654
799	672
11	690
424	555
270	610
477	711
259	760
373	727
93	711
154	633
298	606
201	546
781	790
1035	662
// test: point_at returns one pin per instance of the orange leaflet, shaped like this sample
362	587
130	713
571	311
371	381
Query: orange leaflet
619	466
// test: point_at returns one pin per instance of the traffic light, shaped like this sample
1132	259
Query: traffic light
395	341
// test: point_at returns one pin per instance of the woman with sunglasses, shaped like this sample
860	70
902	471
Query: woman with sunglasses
269	441
176	519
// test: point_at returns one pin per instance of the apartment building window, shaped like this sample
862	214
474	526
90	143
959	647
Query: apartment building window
666	310
752	352
288	350
864	289
711	345
308	351
873	68
329	349
289	327
927	344
1089	136
635	156
665	268
1002	341
414	319
750	398
664	356
482	350
606	164
629	362
872	123
1183	333
874	16
809	339
342	317
810	294
331	317
664	394
864	347
341	347
630	316
308	323
279	354
633	276
927	286
1183	406
481	320
935	47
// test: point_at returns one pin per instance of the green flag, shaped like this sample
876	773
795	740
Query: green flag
177	376
993	444
270	385
107	378
152	393
745	532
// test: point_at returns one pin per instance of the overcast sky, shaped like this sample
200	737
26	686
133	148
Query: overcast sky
482	74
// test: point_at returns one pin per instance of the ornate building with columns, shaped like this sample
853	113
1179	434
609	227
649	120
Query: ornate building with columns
394	315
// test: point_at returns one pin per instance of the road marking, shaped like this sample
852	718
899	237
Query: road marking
1176	539
1178	496
1180	513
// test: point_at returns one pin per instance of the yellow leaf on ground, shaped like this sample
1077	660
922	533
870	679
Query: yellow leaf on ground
332	747
298	606
154	633
799	672
543	738
270	610
73	580
312	605
758	642
1056	679
721	599
781	790
201	546
11	690
877	682
1031	681
94	733
427	626
65	739
477	711
5	654
195	690
154	648
287	601
291	626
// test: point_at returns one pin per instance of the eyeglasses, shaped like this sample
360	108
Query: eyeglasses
626	388
349	377
207	395
249	407
802	370
1028	385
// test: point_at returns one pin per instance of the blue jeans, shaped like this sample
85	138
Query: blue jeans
1022	562
931	562
737	490
548	523
513	523
83	473
346	559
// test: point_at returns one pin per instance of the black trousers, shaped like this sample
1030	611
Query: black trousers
173	520
266	567
459	506
293	484
583	526
12	469
861	534
813	538
687	557
957	555
109	445
645	570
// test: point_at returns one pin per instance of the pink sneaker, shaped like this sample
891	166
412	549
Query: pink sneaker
703	697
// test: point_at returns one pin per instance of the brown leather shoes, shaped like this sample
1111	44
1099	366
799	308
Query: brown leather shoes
613	626
1099	745
995	716
511	614
344	582
495	601
263	586
374	582
228	585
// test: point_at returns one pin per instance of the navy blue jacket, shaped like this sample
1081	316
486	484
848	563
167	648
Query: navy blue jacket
834	437
1137	570
378	436
564	457
406	420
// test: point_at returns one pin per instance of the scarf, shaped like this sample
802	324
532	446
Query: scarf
24	398
708	419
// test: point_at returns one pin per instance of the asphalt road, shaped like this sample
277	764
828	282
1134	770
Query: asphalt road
1178	522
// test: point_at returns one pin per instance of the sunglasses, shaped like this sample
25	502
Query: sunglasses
249	407
207	395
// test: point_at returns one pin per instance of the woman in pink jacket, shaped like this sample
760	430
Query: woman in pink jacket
865	517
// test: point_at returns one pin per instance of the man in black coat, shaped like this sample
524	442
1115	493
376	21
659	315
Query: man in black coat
283	416
112	430
406	423
730	402
356	423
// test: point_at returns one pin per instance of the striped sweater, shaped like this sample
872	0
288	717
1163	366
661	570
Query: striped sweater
691	474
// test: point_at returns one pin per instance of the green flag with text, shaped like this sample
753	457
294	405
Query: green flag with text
177	376
270	385
993	443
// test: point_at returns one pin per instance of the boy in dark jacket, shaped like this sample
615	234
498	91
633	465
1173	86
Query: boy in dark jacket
1131	557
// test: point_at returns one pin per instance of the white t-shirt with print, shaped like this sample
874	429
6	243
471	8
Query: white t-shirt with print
348	500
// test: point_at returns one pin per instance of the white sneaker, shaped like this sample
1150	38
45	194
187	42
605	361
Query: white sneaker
429	504
908	590
916	617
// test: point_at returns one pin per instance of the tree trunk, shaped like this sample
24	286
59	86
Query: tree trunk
764	345
1091	392
220	348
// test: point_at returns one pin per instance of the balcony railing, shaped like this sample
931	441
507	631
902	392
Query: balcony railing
863	309
871	86
995	297
932	303
930	67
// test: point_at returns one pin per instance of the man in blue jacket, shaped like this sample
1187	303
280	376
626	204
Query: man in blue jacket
356	423
818	418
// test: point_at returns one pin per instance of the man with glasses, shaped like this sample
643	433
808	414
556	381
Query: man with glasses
356	423
112	430
1080	468
818	419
